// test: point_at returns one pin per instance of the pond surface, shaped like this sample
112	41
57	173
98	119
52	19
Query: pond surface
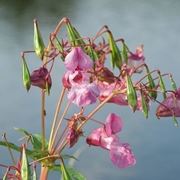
152	23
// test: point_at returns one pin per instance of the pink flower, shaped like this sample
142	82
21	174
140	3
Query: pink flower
78	60
106	138
106	89
113	124
170	106
73	78
41	78
137	58
122	155
84	94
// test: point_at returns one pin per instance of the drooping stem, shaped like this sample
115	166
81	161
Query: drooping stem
44	173
43	114
58	107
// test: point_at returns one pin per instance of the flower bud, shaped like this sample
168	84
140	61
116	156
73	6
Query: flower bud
25	74
38	41
41	78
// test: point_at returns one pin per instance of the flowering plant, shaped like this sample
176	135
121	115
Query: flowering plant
87	81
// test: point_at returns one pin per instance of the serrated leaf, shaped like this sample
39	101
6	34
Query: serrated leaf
38	41
26	75
131	93
25	168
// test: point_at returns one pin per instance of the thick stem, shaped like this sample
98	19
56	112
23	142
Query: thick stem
44	173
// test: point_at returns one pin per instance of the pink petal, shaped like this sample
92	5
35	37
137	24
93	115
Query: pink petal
122	156
83	94
71	60
78	60
113	124
170	106
94	137
107	141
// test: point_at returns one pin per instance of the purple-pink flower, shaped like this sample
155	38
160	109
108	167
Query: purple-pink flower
106	138
170	106
78	60
41	78
83	94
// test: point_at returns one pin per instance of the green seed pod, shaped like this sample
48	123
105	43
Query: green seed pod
173	83
25	74
125	53
131	93
116	58
175	121
151	84
38	41
74	35
162	85
25	168
145	108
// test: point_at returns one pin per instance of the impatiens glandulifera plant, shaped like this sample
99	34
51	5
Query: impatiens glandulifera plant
87	81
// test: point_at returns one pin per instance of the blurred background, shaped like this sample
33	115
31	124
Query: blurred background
153	23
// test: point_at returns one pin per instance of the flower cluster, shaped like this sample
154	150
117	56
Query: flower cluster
89	80
106	137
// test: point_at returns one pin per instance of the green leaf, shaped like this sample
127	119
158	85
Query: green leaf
36	139
26	75
151	85
145	107
162	85
75	175
116	58
131	93
38	41
25	168
64	173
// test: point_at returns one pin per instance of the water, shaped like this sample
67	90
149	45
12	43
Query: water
153	23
